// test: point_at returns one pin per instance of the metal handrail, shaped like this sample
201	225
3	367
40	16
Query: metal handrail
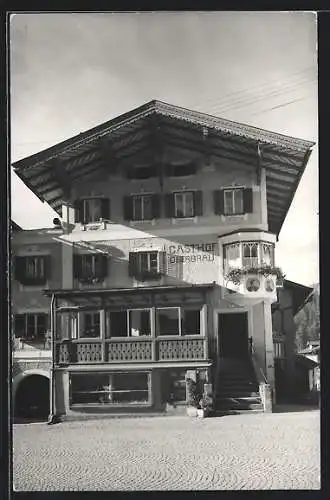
257	369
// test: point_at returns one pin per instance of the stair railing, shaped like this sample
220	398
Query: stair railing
264	387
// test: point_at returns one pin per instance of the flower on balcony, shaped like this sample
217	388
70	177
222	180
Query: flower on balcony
236	274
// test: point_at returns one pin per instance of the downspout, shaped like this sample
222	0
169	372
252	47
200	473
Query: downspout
52	419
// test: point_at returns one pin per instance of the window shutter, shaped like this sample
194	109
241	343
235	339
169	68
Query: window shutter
105	208
77	266
155	206
198	203
218	197
48	266
162	263
78	210
128	207
132	264
105	265
248	200
19	268
169	205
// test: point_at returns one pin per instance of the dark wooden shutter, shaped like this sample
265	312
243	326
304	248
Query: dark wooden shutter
78	210
198	203
132	264
248	200
105	265
77	266
19	325
155	206
218	199
105	208
169	205
48	266
162	263
19	268
128	207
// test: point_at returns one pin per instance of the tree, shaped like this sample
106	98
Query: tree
307	320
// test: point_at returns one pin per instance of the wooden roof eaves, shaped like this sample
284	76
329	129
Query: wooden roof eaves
201	119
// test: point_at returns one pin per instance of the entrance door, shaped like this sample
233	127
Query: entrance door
32	398
233	335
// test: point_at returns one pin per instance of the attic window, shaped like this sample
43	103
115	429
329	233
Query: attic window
180	170
142	172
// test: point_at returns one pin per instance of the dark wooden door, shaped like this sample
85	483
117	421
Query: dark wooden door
233	335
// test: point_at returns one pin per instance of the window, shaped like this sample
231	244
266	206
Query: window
279	350
177	321
118	324
233	201
110	388
32	270
90	325
181	170
142	207
146	265
139	322
31	326
142	172
90	268
250	254
92	210
232	255
267	254
184	204
168	321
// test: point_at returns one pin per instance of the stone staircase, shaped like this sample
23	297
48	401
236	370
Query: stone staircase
236	387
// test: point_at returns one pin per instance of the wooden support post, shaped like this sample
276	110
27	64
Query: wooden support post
103	332
153	333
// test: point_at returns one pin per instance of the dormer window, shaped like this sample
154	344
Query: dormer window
89	210
142	172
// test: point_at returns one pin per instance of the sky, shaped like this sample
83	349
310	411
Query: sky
70	72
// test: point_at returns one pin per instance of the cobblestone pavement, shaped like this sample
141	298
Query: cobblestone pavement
240	452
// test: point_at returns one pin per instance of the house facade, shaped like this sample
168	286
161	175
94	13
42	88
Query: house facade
161	265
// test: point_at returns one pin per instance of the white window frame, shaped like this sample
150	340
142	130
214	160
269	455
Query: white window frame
184	194
81	324
232	190
279	350
129	326
141	197
179	319
251	261
144	252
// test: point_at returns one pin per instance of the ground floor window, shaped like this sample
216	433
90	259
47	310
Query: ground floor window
178	321
110	388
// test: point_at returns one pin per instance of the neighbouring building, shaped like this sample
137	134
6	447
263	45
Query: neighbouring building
161	264
290	298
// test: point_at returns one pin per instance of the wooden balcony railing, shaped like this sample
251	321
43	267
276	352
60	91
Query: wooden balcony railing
132	350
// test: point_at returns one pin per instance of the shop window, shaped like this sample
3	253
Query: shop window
110	388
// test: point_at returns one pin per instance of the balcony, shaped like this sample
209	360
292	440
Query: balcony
131	350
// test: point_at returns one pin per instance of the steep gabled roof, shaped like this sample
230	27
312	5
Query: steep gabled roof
50	173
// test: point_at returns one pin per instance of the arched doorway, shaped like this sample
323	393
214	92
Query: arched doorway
32	397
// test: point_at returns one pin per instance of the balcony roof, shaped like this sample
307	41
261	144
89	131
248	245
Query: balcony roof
146	129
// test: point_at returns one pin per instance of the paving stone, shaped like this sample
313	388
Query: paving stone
237	452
